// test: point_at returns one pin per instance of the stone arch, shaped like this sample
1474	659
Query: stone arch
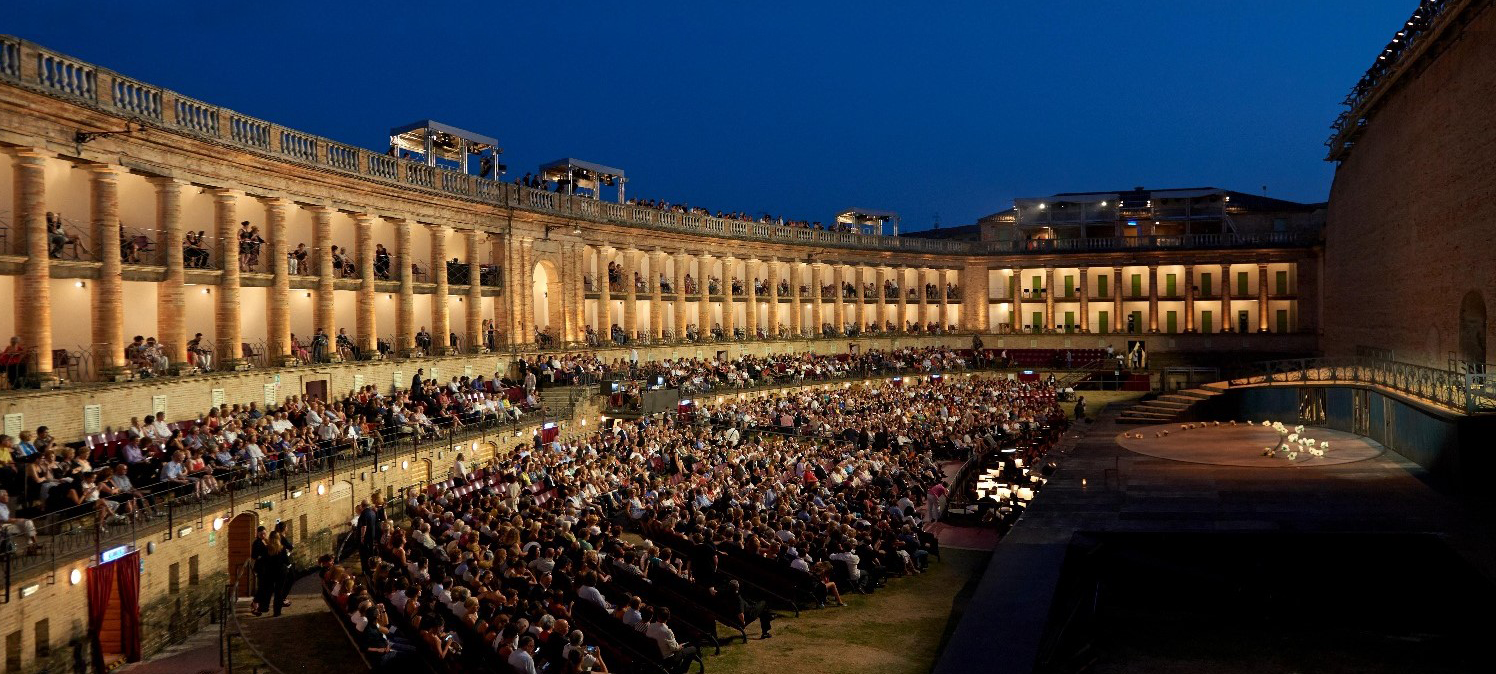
546	295
1472	328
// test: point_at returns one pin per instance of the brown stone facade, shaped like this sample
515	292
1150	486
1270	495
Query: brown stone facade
1412	219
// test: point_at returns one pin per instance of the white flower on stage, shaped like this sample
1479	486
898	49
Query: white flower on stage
1299	428
1183	426
1267	451
1293	455
1324	445
1293	438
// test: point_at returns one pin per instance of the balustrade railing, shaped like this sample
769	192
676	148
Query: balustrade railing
59	74
1468	392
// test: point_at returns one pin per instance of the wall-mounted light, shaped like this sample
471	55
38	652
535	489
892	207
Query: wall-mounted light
207	291
296	494
309	294
404	465
75	576
321	489
81	284
218	524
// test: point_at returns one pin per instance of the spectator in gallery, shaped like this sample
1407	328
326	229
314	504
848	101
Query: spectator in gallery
201	356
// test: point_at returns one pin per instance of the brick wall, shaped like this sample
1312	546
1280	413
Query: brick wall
1412	215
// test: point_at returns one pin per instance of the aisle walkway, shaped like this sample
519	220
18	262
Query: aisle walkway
197	655
305	638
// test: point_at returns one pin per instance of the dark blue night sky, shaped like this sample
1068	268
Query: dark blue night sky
800	109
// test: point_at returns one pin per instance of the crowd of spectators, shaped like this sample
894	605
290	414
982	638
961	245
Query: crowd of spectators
128	474
523	562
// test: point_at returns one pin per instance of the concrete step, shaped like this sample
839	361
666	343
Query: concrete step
1201	393
1144	412
1172	403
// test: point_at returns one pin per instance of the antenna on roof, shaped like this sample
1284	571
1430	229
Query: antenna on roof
937	220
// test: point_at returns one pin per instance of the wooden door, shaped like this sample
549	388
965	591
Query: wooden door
241	539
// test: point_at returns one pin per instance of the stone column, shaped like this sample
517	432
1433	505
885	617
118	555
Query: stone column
630	259
1228	321
1117	320
1049	293
1189	298
109	290
922	275
405	310
526	277
322	312
750	314
771	322
1015	288
441	317
1085	299
578	293
604	296
1152	298
680	295
797	313
474	328
227	321
513	303
839	301
704	307
171	307
367	332
817	300
33	300
902	276
729	313
980	292
1262	297
945	300
656	295
278	303
880	304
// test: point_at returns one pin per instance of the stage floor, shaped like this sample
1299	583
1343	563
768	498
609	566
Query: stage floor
1242	445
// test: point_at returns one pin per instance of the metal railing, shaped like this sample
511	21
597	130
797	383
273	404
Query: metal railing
83	531
1467	392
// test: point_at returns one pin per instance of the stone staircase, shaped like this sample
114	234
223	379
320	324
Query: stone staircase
1169	406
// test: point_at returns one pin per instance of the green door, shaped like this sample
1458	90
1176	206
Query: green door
1101	282
1038	283
1282	317
1137	322
1205	284
1241	284
1038	320
1169	286
1171	322
1103	320
1070	321
1205	322
1069	286
1137	285
1280	281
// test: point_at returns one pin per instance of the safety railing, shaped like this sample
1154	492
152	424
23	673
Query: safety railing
164	508
1467	392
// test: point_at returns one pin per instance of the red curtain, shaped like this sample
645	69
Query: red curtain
101	584
128	573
